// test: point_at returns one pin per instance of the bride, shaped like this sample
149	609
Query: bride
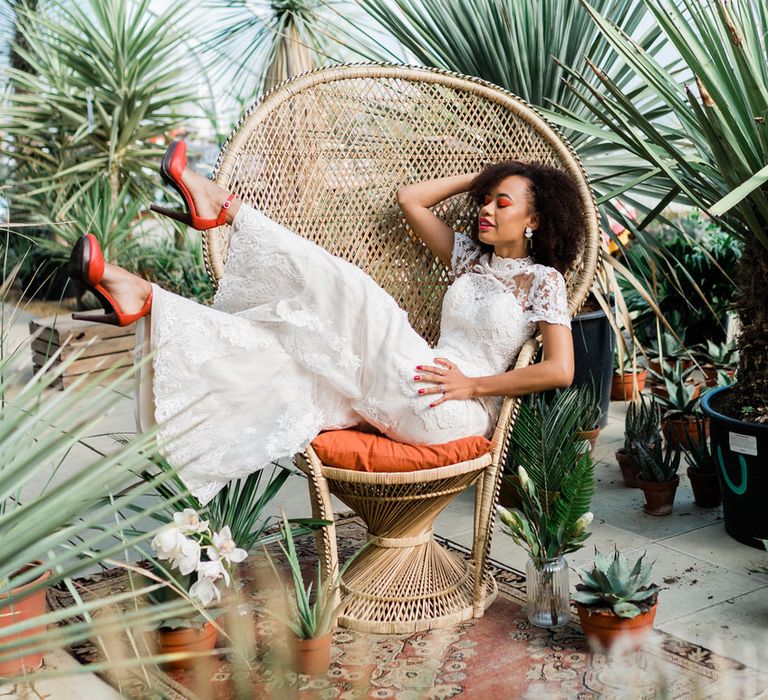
298	341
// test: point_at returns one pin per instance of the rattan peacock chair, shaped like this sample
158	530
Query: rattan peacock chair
338	142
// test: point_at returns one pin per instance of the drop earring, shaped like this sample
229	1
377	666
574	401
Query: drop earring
529	236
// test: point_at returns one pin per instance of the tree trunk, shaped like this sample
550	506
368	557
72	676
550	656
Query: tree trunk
752	308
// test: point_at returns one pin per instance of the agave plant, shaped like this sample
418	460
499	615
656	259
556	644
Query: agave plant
614	584
712	154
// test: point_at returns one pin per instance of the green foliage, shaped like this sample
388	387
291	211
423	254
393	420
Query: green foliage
307	619
68	522
689	266
697	451
712	152
241	504
555	480
105	77
618	586
176	265
642	424
722	356
657	463
682	397
111	218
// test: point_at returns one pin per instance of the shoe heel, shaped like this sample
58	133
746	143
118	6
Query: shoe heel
96	317
176	214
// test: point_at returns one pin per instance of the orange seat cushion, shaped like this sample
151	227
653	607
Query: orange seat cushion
368	452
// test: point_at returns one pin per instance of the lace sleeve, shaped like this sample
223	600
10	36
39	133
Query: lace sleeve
465	253
550	299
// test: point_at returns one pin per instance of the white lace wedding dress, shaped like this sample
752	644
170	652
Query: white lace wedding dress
298	341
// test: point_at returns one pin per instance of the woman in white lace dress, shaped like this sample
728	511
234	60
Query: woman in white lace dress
298	341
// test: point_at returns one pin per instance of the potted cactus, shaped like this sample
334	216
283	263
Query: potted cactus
616	601
642	428
657	476
702	471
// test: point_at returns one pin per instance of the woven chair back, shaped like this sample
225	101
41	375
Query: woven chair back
324	153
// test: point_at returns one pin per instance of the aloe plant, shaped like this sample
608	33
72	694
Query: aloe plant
682	397
614	584
697	452
657	462
642	425
307	618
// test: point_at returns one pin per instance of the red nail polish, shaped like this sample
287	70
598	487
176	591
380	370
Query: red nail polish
416	377
431	405
421	391
419	367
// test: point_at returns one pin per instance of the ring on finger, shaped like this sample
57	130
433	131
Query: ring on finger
442	388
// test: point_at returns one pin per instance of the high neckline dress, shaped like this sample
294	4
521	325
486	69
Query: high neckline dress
298	341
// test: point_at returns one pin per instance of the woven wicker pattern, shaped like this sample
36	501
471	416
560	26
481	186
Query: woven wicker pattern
324	154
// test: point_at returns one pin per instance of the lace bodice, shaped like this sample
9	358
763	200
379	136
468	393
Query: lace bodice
493	305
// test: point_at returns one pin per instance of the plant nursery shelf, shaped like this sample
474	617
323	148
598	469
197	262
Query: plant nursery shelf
99	347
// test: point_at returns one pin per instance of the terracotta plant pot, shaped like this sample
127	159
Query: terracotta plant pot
621	385
23	609
589	436
683	430
710	375
659	495
186	639
605	630
706	488
629	471
312	656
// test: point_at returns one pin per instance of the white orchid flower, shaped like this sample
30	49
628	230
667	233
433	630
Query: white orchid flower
225	548
213	570
187	557
205	590
188	521
167	542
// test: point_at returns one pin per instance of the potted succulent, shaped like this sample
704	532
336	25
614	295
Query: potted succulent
642	429
719	362
702	471
555	488
204	559
616	601
309	621
680	421
657	476
666	349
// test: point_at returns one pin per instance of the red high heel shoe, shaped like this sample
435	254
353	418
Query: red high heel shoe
171	169
86	267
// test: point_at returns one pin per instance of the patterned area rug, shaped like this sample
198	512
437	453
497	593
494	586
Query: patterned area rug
498	656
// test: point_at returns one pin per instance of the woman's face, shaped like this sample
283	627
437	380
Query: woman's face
504	215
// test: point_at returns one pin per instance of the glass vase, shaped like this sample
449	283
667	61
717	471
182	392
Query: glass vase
548	594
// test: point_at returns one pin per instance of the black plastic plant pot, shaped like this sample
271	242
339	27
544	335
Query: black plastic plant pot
593	356
740	450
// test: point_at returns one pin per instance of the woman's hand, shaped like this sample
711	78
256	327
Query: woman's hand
450	383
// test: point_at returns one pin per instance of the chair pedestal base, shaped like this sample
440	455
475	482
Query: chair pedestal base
397	587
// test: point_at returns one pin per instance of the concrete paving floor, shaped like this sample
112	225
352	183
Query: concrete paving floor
710	597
